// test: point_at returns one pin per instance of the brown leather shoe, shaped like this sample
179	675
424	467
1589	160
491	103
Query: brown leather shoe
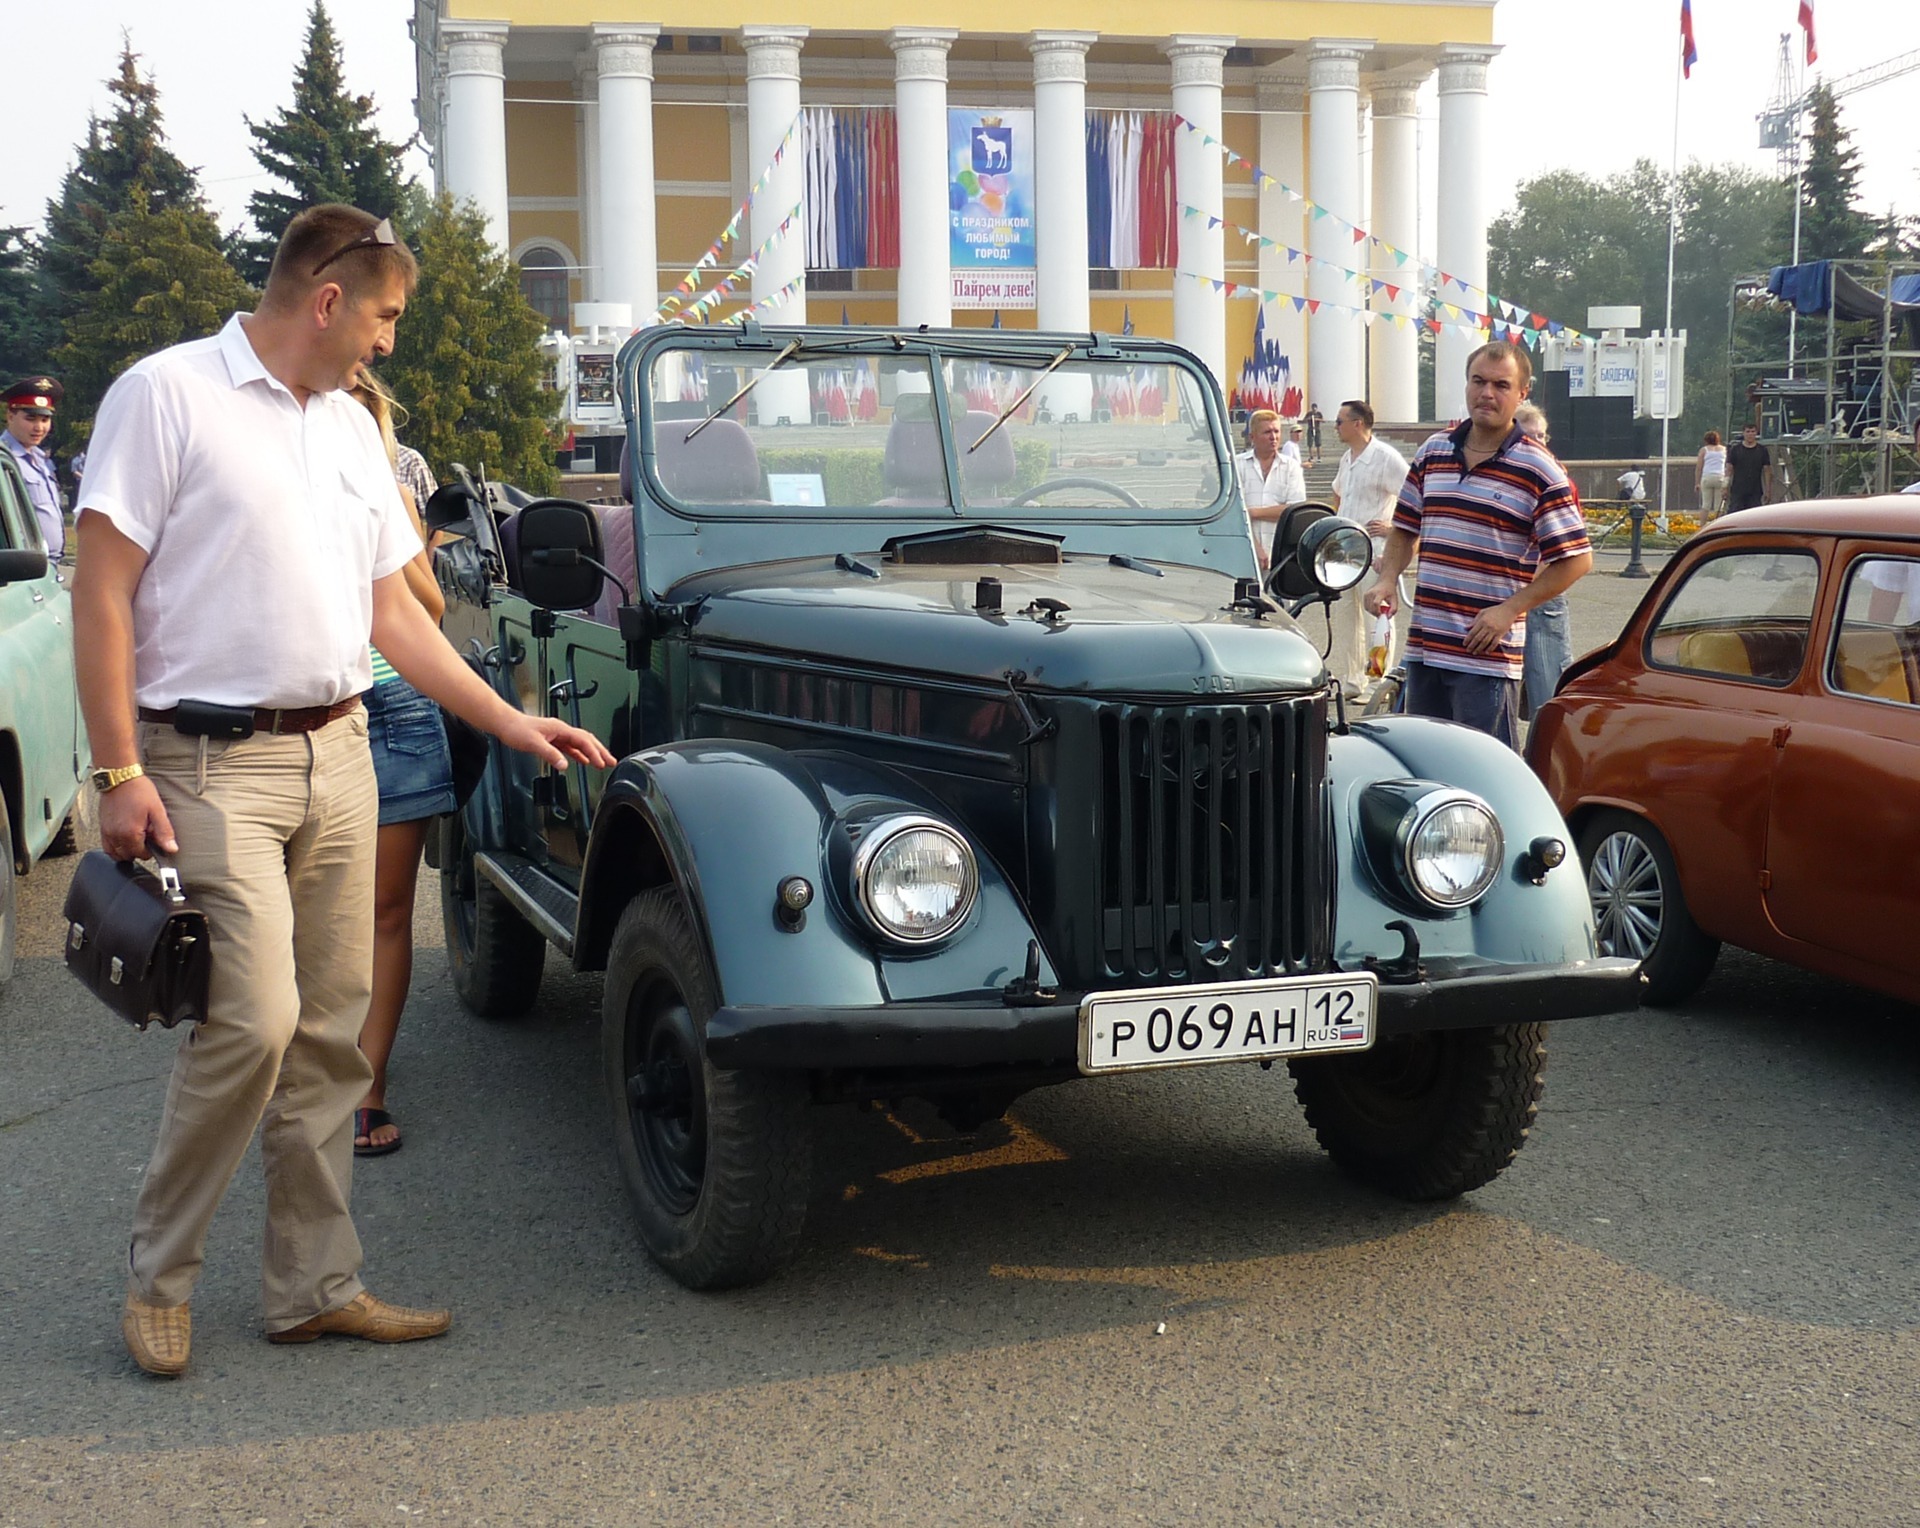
372	1319
158	1336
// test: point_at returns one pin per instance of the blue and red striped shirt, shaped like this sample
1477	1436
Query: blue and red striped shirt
1483	534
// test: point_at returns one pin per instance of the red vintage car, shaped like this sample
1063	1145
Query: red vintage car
1742	763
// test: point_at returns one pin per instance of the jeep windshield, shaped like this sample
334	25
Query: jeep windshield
873	421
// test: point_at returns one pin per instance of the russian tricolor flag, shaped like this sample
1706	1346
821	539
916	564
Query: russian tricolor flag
1689	54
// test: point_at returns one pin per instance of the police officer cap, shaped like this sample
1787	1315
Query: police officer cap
35	393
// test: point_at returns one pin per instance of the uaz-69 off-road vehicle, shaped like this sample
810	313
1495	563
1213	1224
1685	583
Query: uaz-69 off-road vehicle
962	752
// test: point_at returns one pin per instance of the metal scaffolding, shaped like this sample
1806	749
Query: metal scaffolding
1837	404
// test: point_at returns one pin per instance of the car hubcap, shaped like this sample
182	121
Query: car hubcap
1628	902
666	1106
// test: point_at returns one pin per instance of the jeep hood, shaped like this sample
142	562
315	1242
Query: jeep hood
1122	629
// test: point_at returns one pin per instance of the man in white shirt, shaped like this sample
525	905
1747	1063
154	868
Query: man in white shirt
240	538
1269	482
1291	450
1365	488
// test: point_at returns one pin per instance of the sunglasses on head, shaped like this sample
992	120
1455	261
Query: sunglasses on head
380	234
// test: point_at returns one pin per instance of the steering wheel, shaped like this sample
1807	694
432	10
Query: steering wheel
1051	484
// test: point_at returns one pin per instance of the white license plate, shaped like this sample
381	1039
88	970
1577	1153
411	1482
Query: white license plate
1234	1021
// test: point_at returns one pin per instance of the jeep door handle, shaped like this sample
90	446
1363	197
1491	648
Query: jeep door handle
565	690
486	657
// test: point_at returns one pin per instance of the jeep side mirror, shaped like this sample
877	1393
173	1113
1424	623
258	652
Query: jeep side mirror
20	564
560	555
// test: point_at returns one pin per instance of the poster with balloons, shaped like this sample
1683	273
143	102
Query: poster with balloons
990	206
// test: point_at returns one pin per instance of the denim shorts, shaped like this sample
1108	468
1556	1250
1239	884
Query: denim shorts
410	758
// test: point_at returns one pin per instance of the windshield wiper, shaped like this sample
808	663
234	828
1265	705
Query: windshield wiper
746	387
1014	407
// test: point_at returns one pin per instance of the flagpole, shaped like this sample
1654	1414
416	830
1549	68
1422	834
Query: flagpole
1673	228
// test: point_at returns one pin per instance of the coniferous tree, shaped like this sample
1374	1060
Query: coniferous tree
129	149
162	277
464	361
322	148
27	327
1832	227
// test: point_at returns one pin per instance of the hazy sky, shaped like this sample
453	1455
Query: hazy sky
1584	86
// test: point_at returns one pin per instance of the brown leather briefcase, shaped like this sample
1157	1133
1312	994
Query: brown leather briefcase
137	943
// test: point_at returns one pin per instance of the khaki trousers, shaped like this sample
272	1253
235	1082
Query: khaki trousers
276	842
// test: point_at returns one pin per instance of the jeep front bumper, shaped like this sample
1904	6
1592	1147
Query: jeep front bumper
1448	994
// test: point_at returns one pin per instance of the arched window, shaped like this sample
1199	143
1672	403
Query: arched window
543	282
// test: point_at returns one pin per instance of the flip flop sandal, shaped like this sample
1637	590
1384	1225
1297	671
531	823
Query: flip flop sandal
365	1122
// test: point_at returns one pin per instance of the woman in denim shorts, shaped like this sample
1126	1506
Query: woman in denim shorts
415	773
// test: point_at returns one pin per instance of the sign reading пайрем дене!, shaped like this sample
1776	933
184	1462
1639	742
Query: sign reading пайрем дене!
990	207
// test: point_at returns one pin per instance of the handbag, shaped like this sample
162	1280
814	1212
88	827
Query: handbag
137	943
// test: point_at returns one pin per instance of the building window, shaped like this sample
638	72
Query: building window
1103	278
543	282
829	281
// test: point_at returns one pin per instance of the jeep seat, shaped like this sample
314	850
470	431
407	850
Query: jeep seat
718	466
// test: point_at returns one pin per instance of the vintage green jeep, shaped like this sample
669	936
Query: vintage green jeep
962	753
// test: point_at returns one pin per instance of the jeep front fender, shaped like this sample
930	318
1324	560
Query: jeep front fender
1516	922
726	822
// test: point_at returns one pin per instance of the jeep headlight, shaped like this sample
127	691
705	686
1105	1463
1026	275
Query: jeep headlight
1336	553
914	879
1451	847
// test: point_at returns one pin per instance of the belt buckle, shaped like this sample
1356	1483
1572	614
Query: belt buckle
274	730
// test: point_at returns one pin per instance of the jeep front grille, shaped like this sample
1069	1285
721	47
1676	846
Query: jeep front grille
1211	840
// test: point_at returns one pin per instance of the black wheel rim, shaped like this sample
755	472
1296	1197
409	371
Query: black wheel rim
464	885
1629	903
1392	1085
666	1101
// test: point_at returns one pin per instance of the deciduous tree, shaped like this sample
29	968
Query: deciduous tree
465	364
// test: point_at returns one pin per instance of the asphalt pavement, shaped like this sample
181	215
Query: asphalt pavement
1694	1299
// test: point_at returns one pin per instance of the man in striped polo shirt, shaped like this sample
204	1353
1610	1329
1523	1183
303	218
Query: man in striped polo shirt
1499	532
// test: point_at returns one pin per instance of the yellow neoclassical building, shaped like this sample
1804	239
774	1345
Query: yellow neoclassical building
1094	165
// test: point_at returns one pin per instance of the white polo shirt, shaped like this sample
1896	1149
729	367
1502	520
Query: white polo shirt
265	526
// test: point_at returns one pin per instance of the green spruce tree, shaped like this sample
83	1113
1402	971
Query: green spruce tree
129	149
322	148
465	364
162	277
1832	227
27	328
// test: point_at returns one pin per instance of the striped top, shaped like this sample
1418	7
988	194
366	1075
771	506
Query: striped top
1483	535
410	469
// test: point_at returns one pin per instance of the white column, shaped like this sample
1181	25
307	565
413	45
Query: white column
773	103
628	237
1199	309
586	90
1060	179
920	109
1460	245
1282	100
1394	356
1334	367
473	150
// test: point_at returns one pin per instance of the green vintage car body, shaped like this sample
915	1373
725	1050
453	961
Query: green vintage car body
42	745
913	625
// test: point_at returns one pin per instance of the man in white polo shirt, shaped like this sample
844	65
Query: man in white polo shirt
241	537
1365	488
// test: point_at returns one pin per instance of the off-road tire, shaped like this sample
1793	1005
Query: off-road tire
718	1163
494	956
1624	856
9	909
1427	1116
66	841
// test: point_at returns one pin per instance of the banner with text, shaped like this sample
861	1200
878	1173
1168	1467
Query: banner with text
990	205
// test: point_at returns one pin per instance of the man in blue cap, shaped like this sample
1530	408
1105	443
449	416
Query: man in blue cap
30	405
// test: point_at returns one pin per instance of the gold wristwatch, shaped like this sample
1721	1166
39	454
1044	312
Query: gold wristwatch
107	779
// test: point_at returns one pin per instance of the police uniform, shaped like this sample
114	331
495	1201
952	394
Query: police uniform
37	398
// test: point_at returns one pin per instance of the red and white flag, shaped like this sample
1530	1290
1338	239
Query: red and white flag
1806	24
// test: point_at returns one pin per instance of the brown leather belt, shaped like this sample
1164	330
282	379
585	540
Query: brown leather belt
296	719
